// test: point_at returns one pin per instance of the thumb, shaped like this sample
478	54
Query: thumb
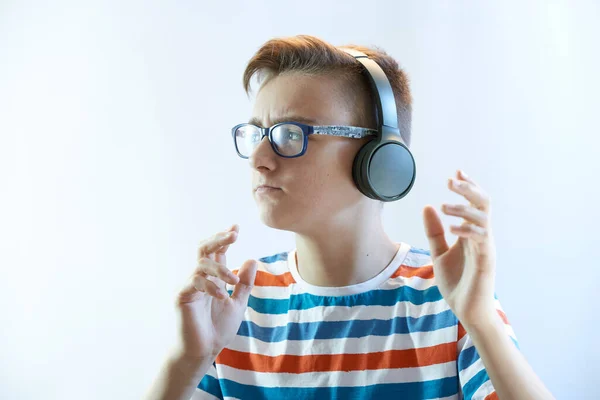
434	231
247	274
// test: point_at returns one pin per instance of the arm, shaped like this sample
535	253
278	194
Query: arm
208	319
511	375
465	275
179	378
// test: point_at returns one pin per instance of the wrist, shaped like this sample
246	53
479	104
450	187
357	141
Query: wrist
190	365
485	323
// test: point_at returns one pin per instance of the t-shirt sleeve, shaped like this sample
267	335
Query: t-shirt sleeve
209	388
475	384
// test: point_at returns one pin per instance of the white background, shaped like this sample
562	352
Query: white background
116	159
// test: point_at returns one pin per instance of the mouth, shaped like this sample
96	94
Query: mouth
264	189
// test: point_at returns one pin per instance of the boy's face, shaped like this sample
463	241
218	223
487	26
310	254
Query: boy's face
316	187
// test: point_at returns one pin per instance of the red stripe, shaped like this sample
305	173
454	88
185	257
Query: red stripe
461	331
264	278
491	396
424	272
503	316
409	358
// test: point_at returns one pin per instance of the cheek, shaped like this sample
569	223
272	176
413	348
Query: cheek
325	175
325	185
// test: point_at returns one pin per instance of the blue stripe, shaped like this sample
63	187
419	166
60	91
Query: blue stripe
274	258
211	385
420	251
347	329
284	255
412	390
469	356
307	301
474	383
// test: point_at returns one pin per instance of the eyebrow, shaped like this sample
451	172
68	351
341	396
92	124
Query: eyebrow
303	120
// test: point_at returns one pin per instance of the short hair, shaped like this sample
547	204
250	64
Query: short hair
313	56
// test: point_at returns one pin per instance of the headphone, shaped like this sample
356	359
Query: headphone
384	168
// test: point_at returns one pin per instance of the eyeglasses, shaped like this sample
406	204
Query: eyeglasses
289	139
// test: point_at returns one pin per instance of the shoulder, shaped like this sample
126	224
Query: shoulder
415	263
417	257
273	270
414	280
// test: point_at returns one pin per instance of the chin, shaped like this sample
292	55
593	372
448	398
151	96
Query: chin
275	220
278	217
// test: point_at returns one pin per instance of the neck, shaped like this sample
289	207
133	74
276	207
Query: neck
344	252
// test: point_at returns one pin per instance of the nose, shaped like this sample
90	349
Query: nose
263	155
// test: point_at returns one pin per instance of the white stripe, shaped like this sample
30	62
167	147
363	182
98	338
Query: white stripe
472	370
461	343
269	292
284	292
416	259
509	330
415	282
498	305
507	327
212	371
366	344
200	394
483	390
342	313
338	378
279	267
276	268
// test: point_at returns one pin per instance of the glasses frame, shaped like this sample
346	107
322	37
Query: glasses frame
353	132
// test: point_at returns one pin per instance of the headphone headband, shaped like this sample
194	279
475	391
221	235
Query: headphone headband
385	101
383	169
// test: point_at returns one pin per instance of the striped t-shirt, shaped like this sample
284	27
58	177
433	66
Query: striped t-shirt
391	337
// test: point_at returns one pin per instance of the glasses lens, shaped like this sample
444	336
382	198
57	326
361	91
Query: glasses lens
247	137
288	139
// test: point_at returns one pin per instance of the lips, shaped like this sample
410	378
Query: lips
266	187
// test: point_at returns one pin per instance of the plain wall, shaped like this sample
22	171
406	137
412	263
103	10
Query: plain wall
116	159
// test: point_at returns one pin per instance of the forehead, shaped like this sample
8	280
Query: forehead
318	99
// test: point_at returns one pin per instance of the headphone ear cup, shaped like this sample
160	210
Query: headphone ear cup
390	168
360	168
390	172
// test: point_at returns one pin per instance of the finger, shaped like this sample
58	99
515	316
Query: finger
219	282
470	231
434	230
220	254
469	213
471	192
196	286
204	285
462	175
210	267
214	243
247	275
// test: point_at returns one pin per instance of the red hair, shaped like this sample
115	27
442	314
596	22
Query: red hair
313	56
